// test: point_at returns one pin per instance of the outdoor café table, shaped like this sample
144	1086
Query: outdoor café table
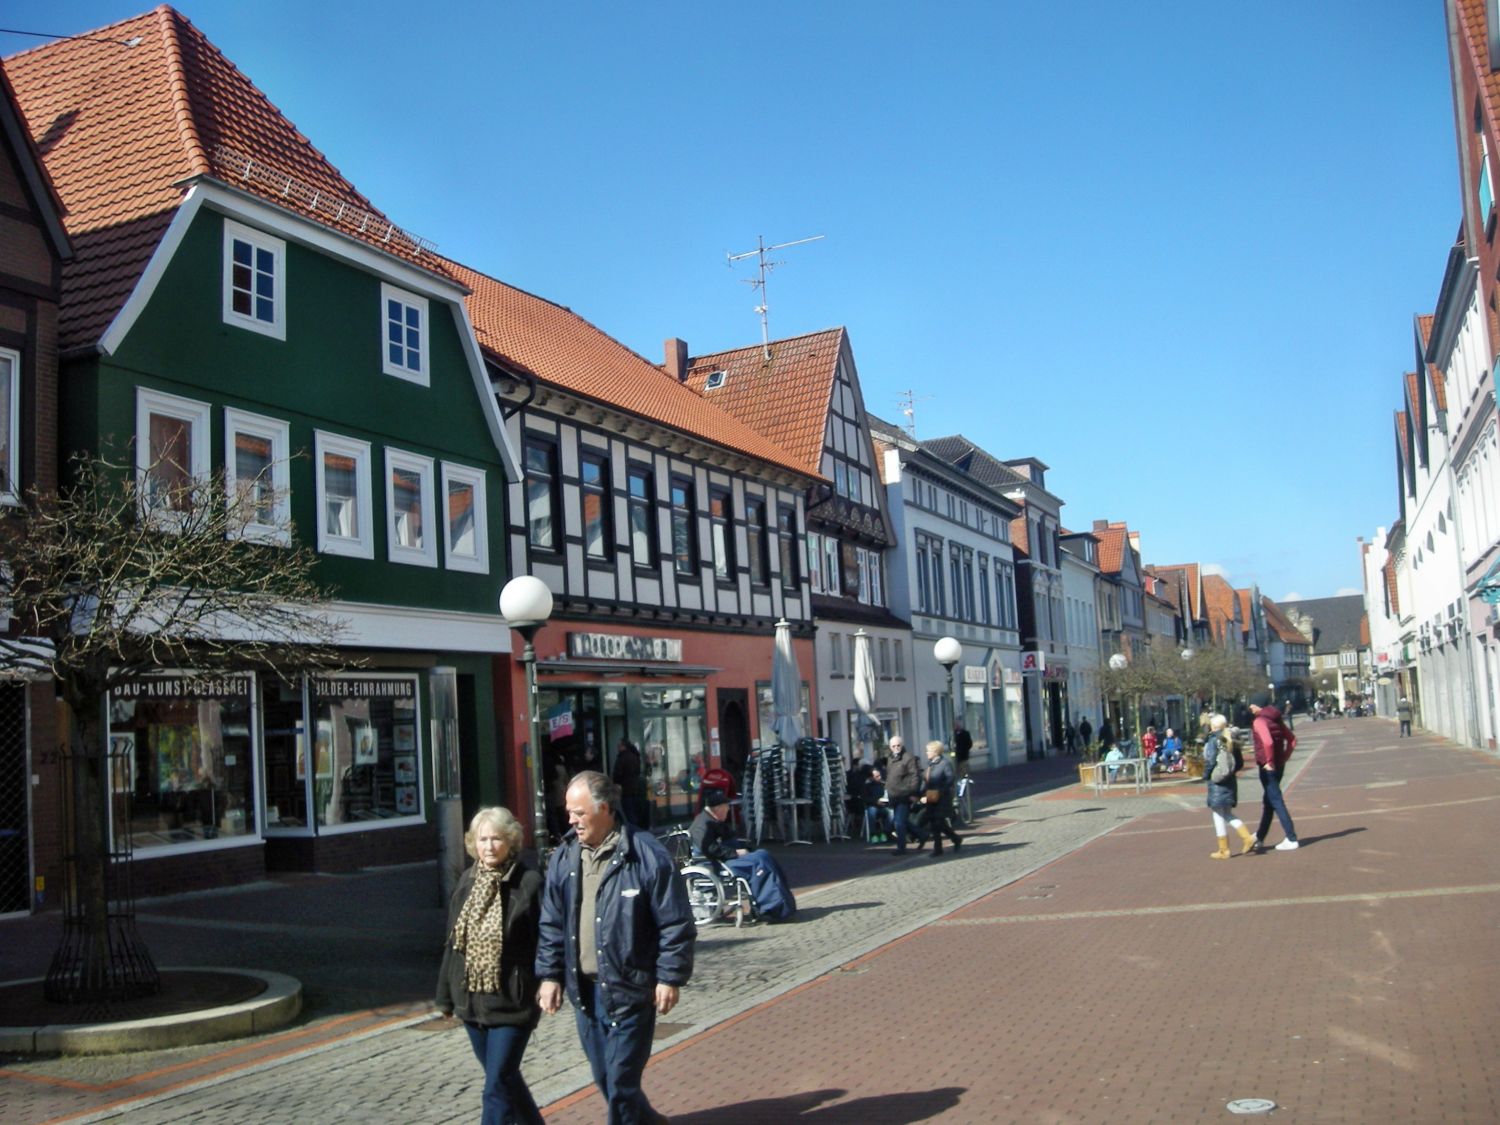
790	804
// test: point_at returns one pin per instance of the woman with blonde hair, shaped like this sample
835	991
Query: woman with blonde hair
1224	791
487	978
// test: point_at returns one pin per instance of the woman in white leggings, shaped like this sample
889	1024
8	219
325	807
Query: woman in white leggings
1225	794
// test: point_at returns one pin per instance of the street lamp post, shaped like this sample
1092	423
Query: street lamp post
949	652
526	603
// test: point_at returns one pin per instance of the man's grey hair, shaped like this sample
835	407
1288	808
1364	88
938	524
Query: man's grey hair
602	791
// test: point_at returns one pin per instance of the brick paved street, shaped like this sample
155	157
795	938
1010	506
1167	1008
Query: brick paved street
1068	965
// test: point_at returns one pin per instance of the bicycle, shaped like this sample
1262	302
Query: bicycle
963	800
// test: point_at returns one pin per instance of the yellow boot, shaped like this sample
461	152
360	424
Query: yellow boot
1247	840
1223	852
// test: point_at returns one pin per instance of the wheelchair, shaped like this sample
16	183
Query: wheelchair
714	892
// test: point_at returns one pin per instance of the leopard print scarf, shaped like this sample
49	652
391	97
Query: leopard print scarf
479	929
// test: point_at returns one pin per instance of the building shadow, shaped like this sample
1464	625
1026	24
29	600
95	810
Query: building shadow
887	1109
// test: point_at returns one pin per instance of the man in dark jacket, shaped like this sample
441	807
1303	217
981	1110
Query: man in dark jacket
903	777
1274	743
963	746
626	967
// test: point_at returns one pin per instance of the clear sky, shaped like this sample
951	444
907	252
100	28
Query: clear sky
1173	249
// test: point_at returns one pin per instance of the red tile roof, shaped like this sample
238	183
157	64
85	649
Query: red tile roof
1221	599
1434	373
1281	625
1401	446
535	336
119	129
1364	630
786	398
1113	539
1187	579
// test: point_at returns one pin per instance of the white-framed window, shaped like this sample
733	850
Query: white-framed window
10	435
836	653
171	451
256	451
254	280
344	511
403	334
464	508
409	509
833	570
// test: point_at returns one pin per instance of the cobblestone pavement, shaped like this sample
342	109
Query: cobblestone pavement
1080	959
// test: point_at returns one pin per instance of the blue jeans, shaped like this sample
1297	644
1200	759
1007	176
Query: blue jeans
617	1049
506	1098
901	812
1272	802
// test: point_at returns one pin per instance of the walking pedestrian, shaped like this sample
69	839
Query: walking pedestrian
963	745
1274	744
1403	714
627	775
938	797
617	932
1223	786
486	978
903	778
1085	732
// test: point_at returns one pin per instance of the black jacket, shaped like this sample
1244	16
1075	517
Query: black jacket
515	1004
644	932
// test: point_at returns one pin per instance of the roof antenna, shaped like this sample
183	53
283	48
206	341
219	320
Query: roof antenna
759	282
908	400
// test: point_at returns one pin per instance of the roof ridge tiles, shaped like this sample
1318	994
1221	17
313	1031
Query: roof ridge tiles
771	344
181	95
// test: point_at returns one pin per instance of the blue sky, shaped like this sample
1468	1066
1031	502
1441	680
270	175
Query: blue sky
1172	249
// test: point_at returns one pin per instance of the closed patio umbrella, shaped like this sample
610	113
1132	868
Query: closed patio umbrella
864	694
786	708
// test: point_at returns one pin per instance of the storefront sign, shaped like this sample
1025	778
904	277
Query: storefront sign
358	688
974	674
1034	661
185	687
620	646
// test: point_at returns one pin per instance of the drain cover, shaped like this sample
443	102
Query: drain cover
1251	1105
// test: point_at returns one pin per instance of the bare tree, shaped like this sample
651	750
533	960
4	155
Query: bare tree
123	573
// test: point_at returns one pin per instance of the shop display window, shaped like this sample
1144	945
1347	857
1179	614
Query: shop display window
362	750
674	738
181	747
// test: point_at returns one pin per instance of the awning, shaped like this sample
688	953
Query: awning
623	668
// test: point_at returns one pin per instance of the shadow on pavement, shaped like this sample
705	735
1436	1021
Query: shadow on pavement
808	913
915	1106
1309	841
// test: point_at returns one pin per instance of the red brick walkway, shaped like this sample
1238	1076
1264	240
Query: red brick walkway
1355	980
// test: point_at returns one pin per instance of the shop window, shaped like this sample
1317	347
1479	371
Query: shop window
171	453
10	426
594	483
642	541
541	494
721	526
284	747
254	280
408	509
673	741
181	748
344	509
404	319
255	475
466	515
364	765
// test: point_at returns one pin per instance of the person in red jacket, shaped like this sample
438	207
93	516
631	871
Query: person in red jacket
1274	743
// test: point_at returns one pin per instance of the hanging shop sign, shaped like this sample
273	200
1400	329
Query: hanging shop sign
621	646
1034	661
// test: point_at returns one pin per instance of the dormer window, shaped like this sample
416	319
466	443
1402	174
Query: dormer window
254	280
404	334
715	380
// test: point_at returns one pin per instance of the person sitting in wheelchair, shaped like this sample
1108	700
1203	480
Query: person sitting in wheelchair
714	838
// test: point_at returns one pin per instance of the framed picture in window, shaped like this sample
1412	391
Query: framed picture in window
363	738
323	751
406	799
403	737
405	770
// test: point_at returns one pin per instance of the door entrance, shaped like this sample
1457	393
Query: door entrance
15	818
734	732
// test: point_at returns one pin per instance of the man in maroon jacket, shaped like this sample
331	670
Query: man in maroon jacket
1274	743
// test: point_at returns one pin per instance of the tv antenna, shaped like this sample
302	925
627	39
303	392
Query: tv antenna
907	401
759	282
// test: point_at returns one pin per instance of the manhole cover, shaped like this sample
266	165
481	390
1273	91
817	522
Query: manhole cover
667	1030
1251	1105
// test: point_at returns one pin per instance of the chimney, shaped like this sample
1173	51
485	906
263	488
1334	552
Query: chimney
677	357
1101	525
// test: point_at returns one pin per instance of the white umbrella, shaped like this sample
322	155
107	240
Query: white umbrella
786	688
786	708
864	692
